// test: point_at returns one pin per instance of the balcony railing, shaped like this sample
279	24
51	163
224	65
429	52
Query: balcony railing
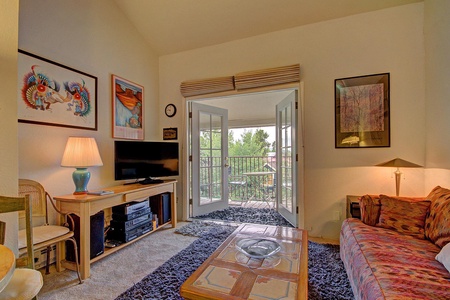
250	178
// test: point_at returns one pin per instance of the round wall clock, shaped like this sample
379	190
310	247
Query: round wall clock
170	110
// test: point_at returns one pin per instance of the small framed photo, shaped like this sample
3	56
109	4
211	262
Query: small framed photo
170	133
362	115
128	109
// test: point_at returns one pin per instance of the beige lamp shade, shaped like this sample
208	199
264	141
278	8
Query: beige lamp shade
399	163
81	152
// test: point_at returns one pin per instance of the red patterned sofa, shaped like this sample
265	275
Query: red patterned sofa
400	248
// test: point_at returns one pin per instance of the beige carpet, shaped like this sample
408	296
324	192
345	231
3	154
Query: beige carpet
116	273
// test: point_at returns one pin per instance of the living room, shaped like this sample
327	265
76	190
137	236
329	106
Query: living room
409	41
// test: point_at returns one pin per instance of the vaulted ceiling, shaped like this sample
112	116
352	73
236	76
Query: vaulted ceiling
172	26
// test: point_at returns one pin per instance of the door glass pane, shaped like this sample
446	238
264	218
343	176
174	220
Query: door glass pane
210	158
216	123
286	197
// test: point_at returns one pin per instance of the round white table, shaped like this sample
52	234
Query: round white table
7	266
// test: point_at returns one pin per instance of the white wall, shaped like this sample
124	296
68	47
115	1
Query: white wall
9	29
437	71
96	38
388	40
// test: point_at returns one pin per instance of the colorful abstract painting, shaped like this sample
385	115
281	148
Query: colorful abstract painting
128	107
53	94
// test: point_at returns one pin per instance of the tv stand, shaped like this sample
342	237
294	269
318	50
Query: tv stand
87	205
150	181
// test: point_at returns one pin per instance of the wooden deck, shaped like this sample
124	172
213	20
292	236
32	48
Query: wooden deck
253	204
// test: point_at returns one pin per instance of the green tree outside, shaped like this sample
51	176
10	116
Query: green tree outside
250	144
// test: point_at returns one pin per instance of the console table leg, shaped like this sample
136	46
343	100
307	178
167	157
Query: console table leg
85	241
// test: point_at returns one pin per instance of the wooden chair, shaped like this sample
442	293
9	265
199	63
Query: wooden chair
26	282
44	234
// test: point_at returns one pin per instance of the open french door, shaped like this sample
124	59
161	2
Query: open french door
209	140
286	158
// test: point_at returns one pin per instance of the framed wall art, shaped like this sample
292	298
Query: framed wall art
362	116
170	133
50	93
128	109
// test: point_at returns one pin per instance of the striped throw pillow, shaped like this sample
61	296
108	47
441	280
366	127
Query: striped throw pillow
404	215
437	224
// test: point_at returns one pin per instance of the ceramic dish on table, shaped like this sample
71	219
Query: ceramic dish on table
258	247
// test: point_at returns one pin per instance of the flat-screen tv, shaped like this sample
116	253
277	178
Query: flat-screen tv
145	160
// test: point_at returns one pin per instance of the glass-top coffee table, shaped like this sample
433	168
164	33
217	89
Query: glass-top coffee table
230	274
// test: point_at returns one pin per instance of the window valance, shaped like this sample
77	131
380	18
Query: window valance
267	77
242	81
206	86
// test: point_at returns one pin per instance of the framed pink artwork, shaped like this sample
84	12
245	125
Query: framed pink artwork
362	116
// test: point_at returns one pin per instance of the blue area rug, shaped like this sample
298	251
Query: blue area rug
327	276
265	216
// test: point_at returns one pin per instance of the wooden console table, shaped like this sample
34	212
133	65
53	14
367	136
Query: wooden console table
227	274
87	205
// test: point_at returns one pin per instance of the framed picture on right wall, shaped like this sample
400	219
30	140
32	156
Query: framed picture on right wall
362	114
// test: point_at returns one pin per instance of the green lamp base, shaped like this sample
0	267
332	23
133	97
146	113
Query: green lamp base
81	178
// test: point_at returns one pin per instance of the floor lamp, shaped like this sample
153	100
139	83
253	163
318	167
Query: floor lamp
398	163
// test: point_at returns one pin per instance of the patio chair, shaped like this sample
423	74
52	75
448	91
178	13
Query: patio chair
238	188
269	190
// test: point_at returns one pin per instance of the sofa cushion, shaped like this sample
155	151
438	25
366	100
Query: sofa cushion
404	215
444	256
385	264
437	224
370	209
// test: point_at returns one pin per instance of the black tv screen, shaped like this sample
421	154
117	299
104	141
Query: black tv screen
143	159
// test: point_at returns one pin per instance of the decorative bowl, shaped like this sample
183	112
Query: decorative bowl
258	248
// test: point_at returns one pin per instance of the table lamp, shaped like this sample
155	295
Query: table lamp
81	153
398	163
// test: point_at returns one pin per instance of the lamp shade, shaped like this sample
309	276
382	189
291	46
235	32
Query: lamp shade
399	163
81	152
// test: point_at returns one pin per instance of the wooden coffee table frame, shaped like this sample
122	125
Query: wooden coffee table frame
222	276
